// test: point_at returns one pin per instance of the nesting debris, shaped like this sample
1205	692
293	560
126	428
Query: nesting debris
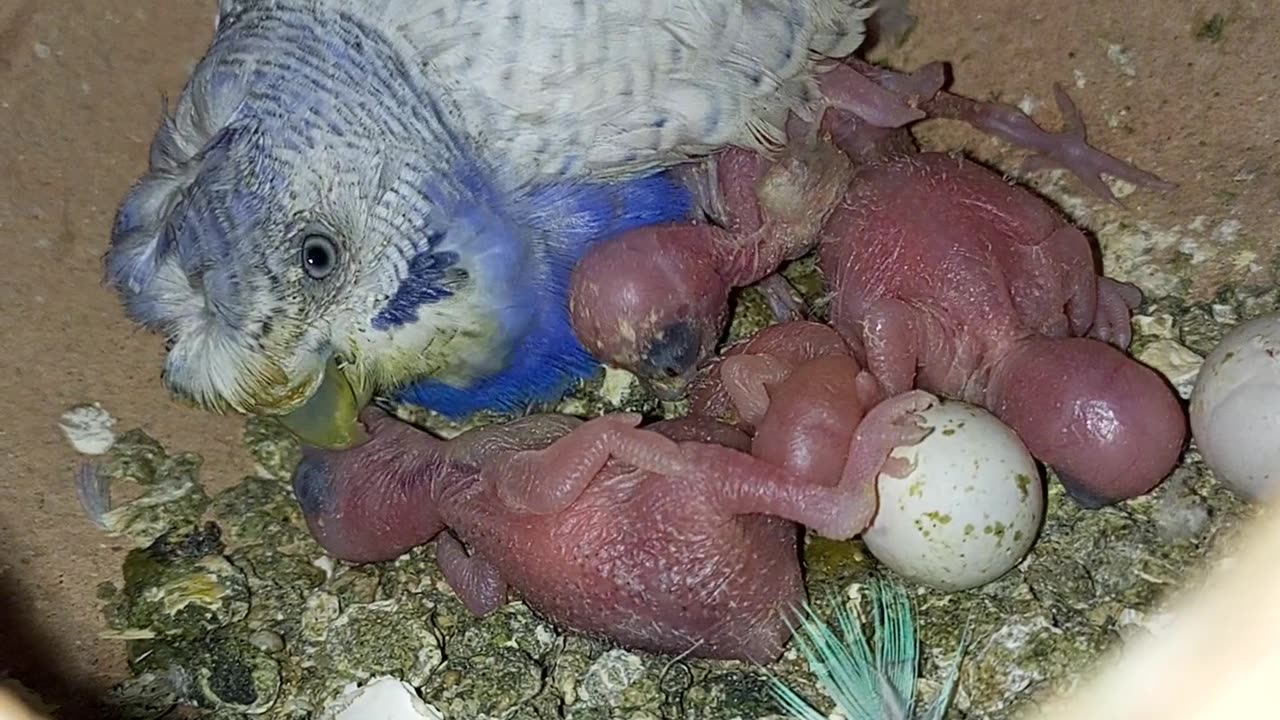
383	698
89	429
170	493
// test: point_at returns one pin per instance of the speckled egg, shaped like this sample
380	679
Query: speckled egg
970	508
1235	409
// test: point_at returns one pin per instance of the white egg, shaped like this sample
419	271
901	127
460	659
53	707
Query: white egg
1235	409
969	510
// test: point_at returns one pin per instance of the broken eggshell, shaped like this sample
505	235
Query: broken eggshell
970	508
383	698
1235	409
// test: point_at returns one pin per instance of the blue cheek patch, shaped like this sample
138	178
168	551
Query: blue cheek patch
423	285
565	220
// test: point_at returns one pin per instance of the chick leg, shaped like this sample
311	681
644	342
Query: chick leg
477	583
891	345
744	485
1116	303
889	425
549	480
1068	149
847	90
746	379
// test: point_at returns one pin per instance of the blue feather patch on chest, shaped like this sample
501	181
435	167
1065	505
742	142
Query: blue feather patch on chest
564	220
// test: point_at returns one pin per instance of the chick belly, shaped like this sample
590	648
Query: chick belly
722	597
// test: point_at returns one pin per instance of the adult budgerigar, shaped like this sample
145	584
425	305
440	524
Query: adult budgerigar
389	195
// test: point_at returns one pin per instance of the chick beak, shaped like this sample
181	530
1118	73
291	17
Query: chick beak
330	418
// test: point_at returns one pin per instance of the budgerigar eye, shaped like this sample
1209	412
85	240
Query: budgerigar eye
319	256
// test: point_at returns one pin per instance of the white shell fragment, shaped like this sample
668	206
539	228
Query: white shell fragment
1178	363
1235	409
969	510
382	698
89	429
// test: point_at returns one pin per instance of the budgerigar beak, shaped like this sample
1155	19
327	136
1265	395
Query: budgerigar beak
329	419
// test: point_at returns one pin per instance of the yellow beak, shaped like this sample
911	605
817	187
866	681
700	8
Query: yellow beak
330	418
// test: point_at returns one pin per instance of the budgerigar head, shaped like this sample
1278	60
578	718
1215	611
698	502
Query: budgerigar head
306	233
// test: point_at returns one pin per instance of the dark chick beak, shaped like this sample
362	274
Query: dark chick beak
671	359
330	418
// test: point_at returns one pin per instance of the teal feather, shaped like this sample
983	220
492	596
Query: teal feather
866	682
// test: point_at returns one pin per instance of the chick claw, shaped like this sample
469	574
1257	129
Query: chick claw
894	423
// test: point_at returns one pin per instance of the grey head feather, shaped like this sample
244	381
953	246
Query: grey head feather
192	218
141	235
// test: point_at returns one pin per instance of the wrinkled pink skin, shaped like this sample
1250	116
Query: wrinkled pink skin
940	264
688	271
652	562
947	278
812	409
655	300
670	538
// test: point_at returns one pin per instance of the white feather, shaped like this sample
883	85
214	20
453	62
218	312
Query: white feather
617	87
